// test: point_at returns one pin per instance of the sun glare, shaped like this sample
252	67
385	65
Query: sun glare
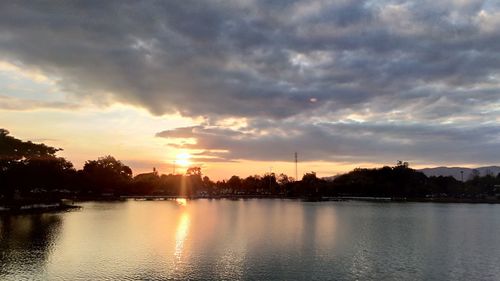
182	159
181	201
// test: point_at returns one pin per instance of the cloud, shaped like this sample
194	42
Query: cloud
376	142
395	77
247	58
13	103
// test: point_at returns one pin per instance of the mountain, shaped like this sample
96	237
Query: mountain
455	171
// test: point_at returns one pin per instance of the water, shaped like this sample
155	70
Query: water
254	240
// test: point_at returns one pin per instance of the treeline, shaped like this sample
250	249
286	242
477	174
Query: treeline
30	170
401	181
34	171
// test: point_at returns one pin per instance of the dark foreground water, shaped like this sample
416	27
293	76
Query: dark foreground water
254	240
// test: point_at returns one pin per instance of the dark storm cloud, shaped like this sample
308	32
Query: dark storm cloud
253	57
416	65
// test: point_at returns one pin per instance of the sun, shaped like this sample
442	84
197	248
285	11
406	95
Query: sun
182	159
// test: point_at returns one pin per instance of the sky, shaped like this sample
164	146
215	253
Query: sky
240	86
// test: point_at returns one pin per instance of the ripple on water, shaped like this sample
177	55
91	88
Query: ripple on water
254	240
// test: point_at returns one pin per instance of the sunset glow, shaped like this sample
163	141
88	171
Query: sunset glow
150	103
183	159
181	201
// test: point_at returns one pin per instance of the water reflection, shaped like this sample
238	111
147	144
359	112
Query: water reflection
181	234
254	240
181	201
26	243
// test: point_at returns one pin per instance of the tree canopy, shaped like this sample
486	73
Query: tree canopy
106	173
14	150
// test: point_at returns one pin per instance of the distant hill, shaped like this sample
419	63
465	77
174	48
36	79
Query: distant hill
455	171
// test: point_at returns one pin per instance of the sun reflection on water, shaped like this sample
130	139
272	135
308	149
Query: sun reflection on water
181	201
181	234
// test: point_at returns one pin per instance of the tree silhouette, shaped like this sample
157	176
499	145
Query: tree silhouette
106	174
25	165
193	171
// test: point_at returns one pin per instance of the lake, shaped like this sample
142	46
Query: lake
259	239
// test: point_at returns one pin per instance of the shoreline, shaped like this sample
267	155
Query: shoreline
36	209
310	199
61	207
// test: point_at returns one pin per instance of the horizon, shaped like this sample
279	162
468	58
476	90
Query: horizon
239	87
168	168
183	164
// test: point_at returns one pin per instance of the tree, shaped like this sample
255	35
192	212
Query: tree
25	166
108	164
193	171
283	179
309	177
145	183
401	164
270	183
234	183
208	185
310	184
14	150
106	174
399	181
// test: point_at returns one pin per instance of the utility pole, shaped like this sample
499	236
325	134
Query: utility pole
296	173
173	173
